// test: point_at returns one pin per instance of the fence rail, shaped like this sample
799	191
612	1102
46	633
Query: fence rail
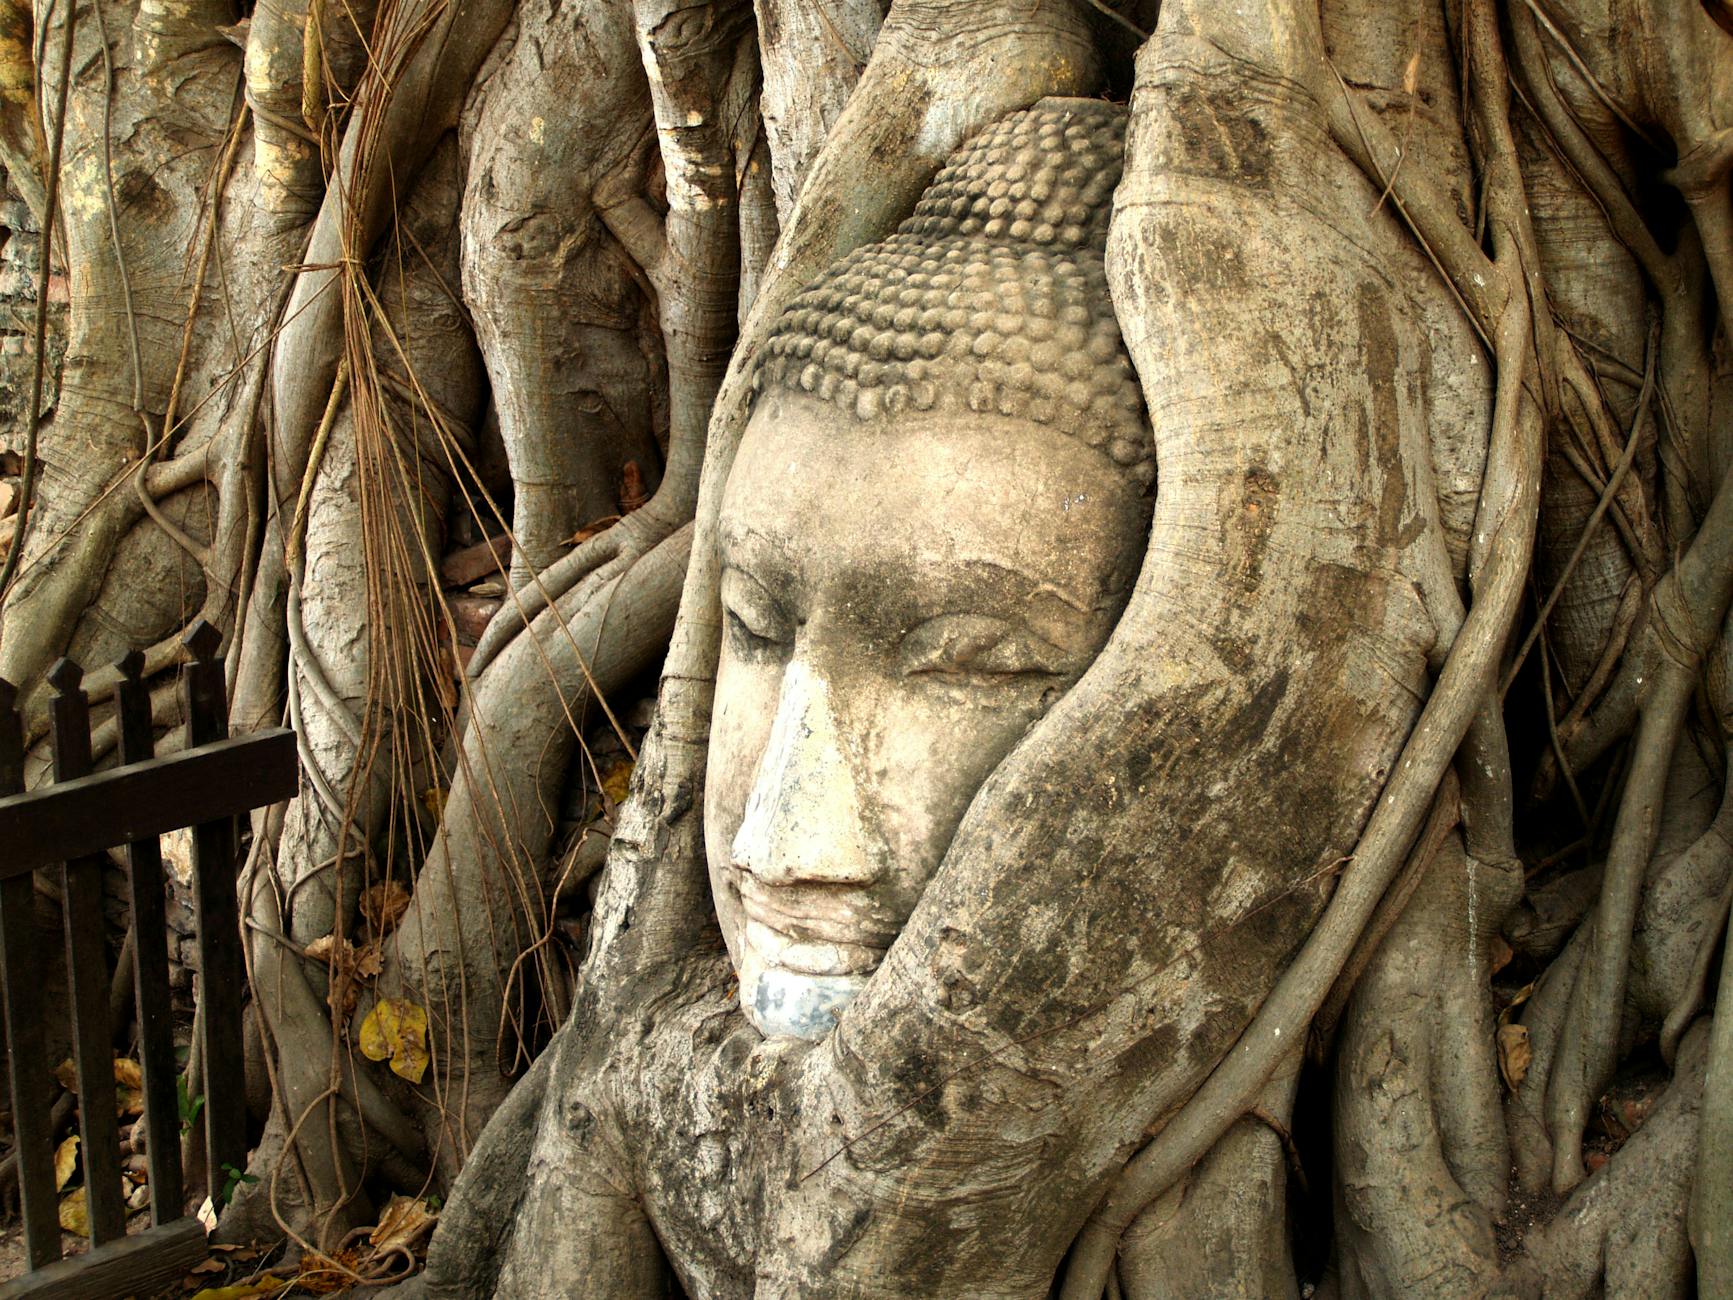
72	823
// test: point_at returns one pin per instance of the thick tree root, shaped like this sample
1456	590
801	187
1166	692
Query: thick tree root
1222	1230
481	898
1421	1155
1622	1232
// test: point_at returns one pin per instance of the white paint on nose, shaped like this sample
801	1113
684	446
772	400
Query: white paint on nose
803	816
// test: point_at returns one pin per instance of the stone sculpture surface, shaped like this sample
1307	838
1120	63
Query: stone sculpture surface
931	526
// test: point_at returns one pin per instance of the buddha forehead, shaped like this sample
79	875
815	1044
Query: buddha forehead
908	510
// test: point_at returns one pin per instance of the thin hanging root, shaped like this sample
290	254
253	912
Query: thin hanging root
1626	458
51	204
1687	611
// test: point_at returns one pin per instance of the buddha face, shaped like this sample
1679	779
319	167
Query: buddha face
902	598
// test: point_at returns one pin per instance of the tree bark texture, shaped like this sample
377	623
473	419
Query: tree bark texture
1355	923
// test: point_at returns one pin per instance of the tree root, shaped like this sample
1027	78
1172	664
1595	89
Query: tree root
1622	1232
481	892
1421	1155
1689	606
1222	1229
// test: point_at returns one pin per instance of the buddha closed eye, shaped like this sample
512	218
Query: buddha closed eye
924	541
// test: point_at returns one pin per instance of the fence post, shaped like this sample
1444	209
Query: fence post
87	961
221	970
32	1137
150	967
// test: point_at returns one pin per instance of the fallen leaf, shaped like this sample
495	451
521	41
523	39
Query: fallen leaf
383	905
348	966
74	1215
1502	953
1635	1111
401	1224
65	1161
128	1087
67	1075
1514	1054
1517	999
396	1030
242	1290
632	493
208	1266
324	1274
617	781
1595	1159
594	528
324	948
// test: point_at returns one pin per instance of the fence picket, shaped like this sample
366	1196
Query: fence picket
80	816
221	968
21	987
150	967
88	974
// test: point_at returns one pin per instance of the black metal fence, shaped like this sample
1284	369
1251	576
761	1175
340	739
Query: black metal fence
70	824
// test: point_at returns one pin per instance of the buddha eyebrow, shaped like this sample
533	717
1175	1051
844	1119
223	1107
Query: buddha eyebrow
740	533
1034	587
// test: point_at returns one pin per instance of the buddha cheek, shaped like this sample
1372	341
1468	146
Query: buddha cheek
746	703
927	754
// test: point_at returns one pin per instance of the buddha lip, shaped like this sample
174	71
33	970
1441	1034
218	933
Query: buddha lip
778	910
784	952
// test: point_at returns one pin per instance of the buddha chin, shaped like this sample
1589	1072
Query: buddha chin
929	531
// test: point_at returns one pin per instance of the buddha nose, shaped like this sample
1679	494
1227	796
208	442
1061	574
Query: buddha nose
803	816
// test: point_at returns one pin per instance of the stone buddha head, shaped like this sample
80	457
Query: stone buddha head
933	521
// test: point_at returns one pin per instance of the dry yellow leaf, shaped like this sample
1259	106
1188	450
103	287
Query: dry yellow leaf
65	1161
1514	1054
401	1224
396	1030
617	781
328	1274
433	799
1515	1004
74	1216
242	1290
128	1084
